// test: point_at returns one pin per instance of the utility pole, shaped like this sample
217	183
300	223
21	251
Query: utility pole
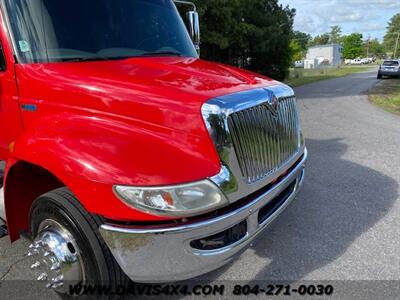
397	44
368	42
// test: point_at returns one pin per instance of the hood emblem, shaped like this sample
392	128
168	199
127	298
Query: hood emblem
272	102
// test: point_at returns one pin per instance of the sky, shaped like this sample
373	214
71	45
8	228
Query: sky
369	17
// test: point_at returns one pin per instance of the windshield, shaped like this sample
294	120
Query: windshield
391	63
79	30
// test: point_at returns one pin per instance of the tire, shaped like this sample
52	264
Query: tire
379	76
63	207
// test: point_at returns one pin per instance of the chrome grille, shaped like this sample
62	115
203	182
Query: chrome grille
263	142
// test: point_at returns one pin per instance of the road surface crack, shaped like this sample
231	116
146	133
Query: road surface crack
3	277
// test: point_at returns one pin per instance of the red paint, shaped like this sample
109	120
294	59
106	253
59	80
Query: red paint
131	122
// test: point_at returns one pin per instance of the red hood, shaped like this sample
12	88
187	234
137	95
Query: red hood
167	91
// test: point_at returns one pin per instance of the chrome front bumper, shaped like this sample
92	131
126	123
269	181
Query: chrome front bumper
155	255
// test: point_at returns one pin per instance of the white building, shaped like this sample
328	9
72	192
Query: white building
326	54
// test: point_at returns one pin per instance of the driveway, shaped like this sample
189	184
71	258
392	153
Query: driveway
345	223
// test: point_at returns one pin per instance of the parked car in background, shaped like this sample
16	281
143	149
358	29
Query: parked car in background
389	68
299	64
359	61
324	63
356	61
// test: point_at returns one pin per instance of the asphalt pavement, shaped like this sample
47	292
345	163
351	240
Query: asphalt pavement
345	223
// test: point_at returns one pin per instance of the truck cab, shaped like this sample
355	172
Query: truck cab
125	155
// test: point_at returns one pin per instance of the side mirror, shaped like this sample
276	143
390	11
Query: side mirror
193	23
194	28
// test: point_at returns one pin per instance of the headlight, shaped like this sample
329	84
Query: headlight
175	201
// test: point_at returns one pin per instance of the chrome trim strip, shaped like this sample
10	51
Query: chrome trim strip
9	32
187	3
2	206
216	113
164	254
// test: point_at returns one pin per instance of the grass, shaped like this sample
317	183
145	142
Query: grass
299	77
387	95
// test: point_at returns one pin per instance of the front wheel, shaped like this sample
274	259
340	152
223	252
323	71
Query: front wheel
68	249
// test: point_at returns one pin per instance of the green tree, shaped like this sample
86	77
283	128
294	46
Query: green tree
254	34
374	48
322	39
391	35
302	38
352	46
335	35
269	44
296	51
299	45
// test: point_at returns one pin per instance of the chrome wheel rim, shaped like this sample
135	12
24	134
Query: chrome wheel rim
58	261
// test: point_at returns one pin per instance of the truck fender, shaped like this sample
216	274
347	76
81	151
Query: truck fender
90	154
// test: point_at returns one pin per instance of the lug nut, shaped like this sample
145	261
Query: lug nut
57	285
49	286
55	266
32	252
42	277
35	265
58	279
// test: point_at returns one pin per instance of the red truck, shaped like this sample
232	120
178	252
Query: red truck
127	156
